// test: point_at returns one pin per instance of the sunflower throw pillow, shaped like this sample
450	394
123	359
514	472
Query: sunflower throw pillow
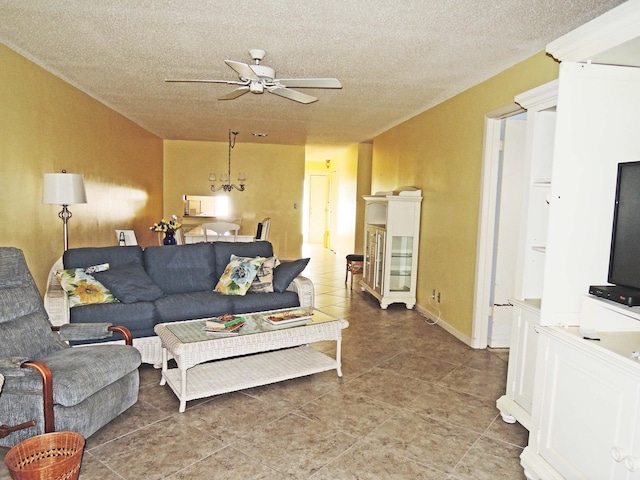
238	275
82	288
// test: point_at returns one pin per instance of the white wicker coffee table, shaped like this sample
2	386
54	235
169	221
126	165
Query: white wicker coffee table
286	354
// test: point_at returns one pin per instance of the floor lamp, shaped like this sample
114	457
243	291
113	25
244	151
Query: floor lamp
64	189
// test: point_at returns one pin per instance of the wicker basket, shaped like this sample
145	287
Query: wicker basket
52	456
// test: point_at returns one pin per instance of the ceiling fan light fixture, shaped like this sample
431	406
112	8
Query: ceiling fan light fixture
256	87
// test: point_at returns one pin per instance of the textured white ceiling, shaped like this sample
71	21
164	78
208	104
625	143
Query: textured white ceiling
394	58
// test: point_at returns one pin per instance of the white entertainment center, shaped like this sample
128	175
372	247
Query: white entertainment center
579	398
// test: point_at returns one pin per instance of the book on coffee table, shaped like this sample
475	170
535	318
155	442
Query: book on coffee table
224	324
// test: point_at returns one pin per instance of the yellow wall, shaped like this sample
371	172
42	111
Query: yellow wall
440	151
47	125
365	152
344	176
274	186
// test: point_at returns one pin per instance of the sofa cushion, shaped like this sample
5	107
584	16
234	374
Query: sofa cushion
238	275
263	283
284	273
261	302
83	288
224	250
192	305
139	317
181	268
114	256
129	283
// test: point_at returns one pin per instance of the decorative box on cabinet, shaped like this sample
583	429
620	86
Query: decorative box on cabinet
392	231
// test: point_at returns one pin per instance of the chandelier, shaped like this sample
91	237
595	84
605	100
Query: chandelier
225	178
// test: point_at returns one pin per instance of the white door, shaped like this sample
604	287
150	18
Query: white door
506	243
333	212
317	208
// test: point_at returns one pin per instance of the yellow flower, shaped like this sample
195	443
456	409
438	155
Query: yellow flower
89	292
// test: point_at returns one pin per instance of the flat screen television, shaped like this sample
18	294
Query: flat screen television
624	260
624	257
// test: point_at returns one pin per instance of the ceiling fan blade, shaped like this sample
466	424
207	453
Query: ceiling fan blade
190	80
309	82
293	95
242	69
235	93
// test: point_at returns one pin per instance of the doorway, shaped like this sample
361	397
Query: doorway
316	224
494	264
491	256
508	213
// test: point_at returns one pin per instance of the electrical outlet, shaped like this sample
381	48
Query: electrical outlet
433	295
438	297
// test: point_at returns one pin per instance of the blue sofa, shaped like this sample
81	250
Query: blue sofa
183	278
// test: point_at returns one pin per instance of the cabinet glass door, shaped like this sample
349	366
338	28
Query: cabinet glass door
379	260
401	263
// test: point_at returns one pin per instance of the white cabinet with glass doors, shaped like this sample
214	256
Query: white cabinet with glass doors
392	229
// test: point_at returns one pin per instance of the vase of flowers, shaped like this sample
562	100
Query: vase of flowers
169	228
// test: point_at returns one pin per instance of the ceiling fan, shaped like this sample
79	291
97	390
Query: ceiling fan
258	78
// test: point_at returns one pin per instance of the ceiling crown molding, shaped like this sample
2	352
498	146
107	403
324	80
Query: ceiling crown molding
539	98
611	29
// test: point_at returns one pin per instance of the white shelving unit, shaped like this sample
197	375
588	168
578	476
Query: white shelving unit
515	404
392	232
579	399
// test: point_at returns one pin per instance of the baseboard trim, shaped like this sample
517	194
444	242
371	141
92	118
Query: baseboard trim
443	324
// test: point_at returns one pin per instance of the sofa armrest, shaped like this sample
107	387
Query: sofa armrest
304	288
91	331
56	302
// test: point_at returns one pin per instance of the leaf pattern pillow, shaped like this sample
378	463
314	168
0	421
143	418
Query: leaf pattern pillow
82	288
238	275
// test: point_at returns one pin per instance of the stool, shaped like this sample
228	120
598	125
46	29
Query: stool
354	265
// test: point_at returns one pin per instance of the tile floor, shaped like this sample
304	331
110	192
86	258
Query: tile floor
414	403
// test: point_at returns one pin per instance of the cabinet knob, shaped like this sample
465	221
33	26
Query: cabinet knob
618	454
631	463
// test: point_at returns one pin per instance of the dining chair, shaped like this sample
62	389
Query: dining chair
220	229
263	229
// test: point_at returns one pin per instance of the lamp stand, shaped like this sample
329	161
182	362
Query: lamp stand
65	215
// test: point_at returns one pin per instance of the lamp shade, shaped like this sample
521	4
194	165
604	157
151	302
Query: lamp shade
63	189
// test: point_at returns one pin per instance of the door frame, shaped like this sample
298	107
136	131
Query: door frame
488	221
539	98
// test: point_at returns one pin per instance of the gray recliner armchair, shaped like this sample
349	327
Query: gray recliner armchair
77	389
